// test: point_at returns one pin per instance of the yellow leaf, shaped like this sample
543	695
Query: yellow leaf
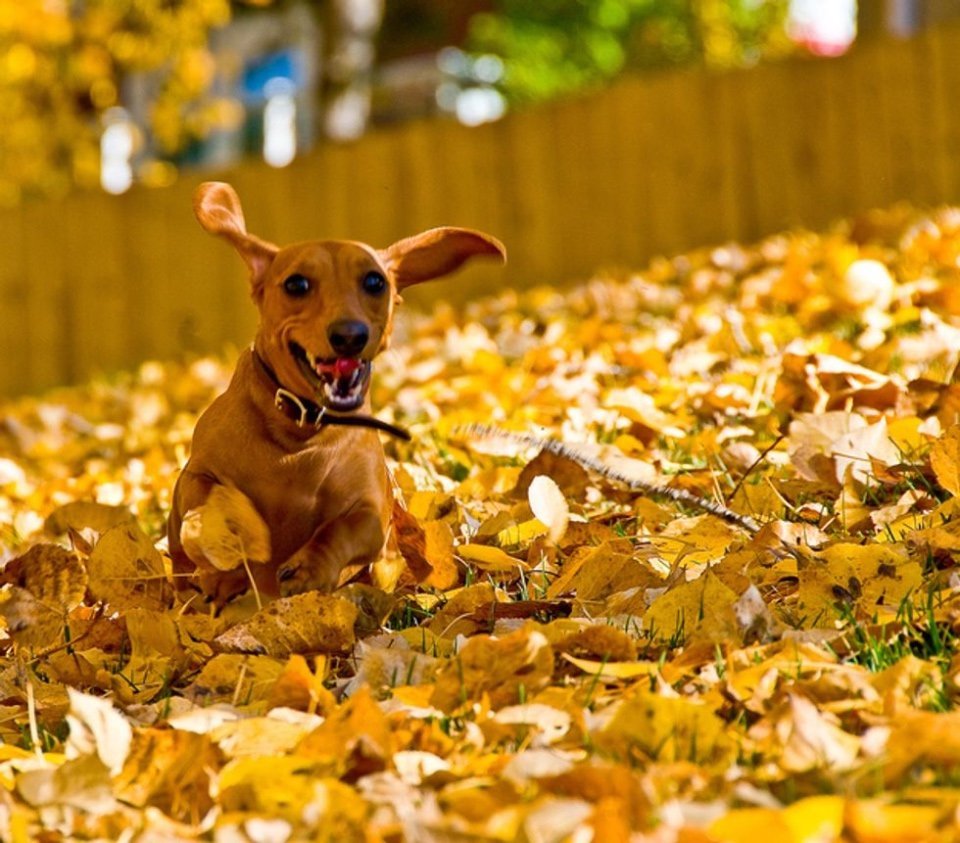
498	667
30	622
226	531
306	623
945	460
448	622
439	553
870	576
488	558
53	575
877	820
301	688
702	609
694	541
816	818
614	670
169	770
668	729
86	514
356	733
257	737
425	506
593	573
236	679
521	534
747	825
126	571
284	787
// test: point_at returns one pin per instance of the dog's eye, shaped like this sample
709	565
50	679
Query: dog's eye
374	283
297	285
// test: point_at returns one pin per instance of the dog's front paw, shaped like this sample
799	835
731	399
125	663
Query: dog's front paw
220	587
225	532
307	571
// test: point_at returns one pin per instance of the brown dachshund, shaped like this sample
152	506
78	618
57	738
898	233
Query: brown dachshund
292	431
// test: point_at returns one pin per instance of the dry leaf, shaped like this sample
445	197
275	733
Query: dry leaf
871	577
96	727
306	623
80	515
945	460
652	727
701	609
301	688
490	559
549	506
169	770
236	679
53	575
127	572
225	531
498	667
30	622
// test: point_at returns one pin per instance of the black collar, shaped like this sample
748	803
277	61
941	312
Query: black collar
304	412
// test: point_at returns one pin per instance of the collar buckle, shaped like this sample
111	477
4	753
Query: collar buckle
285	395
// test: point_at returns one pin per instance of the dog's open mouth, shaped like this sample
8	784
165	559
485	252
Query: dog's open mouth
339	382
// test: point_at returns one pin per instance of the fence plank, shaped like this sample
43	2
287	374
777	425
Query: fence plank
15	345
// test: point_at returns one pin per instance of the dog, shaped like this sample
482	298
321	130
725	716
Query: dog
292	431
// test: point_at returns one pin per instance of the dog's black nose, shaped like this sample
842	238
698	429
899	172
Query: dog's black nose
348	337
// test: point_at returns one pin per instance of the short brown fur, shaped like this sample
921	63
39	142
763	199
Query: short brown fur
324	493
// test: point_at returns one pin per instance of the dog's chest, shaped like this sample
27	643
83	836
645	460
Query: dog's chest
288	487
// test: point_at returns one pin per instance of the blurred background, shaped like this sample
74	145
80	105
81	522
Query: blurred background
586	134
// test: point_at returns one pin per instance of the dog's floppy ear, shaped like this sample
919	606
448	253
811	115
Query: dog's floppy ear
437	252
218	210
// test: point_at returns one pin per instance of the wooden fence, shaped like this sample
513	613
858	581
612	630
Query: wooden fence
656	164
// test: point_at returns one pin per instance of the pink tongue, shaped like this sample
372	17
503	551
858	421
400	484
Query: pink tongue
346	366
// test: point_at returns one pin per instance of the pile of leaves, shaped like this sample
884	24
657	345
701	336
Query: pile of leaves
544	652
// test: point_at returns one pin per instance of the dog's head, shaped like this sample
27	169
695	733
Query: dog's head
326	306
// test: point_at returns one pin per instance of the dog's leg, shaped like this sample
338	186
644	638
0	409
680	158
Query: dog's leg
191	493
355	538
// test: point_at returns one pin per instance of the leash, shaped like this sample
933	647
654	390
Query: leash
303	411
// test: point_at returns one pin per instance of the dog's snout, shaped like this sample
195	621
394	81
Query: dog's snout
348	337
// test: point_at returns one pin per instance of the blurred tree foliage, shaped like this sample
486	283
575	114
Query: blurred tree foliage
61	68
555	47
64	63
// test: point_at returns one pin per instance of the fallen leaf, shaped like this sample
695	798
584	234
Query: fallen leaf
30	622
701	609
226	531
650	727
870	577
80	515
355	737
549	506
236	679
126	571
53	575
305	623
171	771
96	727
945	460
491	559
498	667
810	740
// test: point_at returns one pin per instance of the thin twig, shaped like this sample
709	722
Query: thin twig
572	452
755	463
